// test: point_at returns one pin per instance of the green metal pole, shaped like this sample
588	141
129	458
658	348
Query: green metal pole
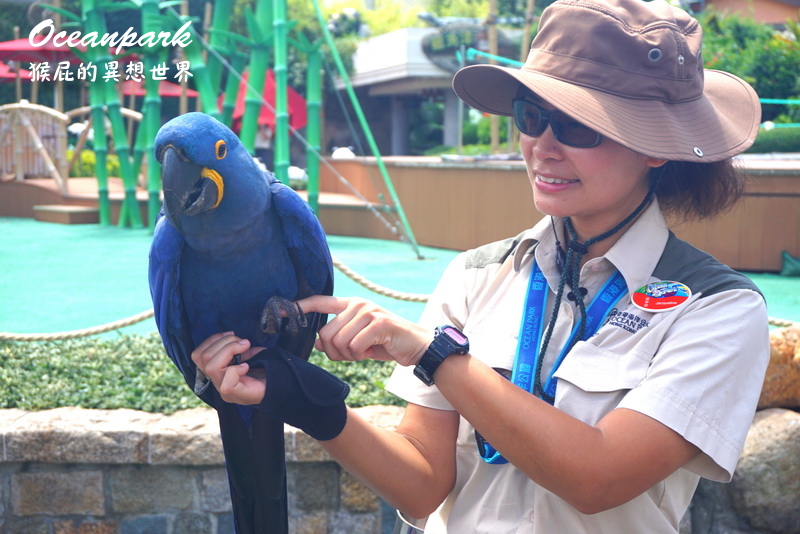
100	145
365	126
104	95
151	114
220	20
200	74
129	214
258	66
281	134
92	19
232	89
313	133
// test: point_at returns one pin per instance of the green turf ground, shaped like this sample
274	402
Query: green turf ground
65	277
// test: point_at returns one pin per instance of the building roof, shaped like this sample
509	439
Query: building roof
394	63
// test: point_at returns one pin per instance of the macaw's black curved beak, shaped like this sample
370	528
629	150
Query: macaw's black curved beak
189	189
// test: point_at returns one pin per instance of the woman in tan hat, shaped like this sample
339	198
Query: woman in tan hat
585	374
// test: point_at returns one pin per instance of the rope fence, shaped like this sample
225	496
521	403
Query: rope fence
344	269
375	288
84	332
143	316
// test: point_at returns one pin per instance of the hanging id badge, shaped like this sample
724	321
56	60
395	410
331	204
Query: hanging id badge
530	340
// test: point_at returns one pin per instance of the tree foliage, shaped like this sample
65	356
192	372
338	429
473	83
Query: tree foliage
767	59
480	8
459	8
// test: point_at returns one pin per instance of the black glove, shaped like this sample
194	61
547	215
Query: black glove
302	394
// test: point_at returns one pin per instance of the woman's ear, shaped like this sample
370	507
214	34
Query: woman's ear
655	162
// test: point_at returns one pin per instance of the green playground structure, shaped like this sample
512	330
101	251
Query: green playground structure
270	33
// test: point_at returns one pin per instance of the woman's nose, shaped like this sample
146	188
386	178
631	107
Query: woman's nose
546	145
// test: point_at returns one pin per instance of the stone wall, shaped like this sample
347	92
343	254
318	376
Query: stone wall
764	495
78	471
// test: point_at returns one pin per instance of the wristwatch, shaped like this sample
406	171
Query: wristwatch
446	341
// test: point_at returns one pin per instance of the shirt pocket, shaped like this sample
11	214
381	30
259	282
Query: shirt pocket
592	381
494	347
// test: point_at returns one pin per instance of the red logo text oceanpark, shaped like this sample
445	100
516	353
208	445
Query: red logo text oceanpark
130	38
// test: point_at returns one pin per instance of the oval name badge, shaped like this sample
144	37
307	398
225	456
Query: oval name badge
661	296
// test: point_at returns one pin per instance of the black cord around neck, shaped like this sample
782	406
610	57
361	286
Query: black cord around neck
570	275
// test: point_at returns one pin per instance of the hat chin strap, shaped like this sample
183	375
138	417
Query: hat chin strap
570	275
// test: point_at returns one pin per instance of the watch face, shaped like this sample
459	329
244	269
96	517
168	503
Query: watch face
455	335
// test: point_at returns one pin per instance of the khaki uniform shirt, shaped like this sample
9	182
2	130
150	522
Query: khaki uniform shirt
697	369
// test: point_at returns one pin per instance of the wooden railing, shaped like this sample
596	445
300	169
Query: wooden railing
33	142
464	204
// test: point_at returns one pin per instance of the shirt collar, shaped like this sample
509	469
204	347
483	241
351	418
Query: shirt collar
638	250
541	232
635	254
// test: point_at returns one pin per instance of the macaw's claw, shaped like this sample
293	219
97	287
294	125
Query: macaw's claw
282	316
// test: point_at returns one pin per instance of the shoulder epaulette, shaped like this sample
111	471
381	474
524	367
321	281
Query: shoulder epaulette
681	262
496	252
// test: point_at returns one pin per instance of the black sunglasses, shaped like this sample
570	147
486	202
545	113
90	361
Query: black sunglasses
532	120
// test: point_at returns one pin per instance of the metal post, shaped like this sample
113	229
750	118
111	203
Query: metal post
313	131
491	21
93	22
367	132
463	61
258	65
281	134
151	116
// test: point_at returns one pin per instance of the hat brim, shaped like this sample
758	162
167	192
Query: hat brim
722	123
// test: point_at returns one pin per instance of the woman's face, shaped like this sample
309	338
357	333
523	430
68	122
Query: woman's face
597	187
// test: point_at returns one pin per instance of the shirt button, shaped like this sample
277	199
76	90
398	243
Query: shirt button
531	517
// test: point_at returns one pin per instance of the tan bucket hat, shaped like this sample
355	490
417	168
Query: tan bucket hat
633	71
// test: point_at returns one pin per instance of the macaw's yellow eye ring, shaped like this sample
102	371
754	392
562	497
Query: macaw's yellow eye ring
221	149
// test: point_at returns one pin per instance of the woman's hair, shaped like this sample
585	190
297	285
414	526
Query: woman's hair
693	191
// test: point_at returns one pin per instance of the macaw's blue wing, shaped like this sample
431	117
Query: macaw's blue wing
308	250
170	316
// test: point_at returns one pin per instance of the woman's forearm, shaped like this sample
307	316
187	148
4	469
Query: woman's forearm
412	468
591	467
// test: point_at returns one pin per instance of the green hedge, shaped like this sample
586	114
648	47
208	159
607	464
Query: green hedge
777	140
132	372
85	165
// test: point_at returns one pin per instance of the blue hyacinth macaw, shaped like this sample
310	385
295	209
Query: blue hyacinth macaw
232	249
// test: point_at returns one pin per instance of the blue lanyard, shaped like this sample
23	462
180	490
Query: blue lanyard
530	338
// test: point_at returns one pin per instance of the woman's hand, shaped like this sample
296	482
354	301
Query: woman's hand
215	358
363	330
